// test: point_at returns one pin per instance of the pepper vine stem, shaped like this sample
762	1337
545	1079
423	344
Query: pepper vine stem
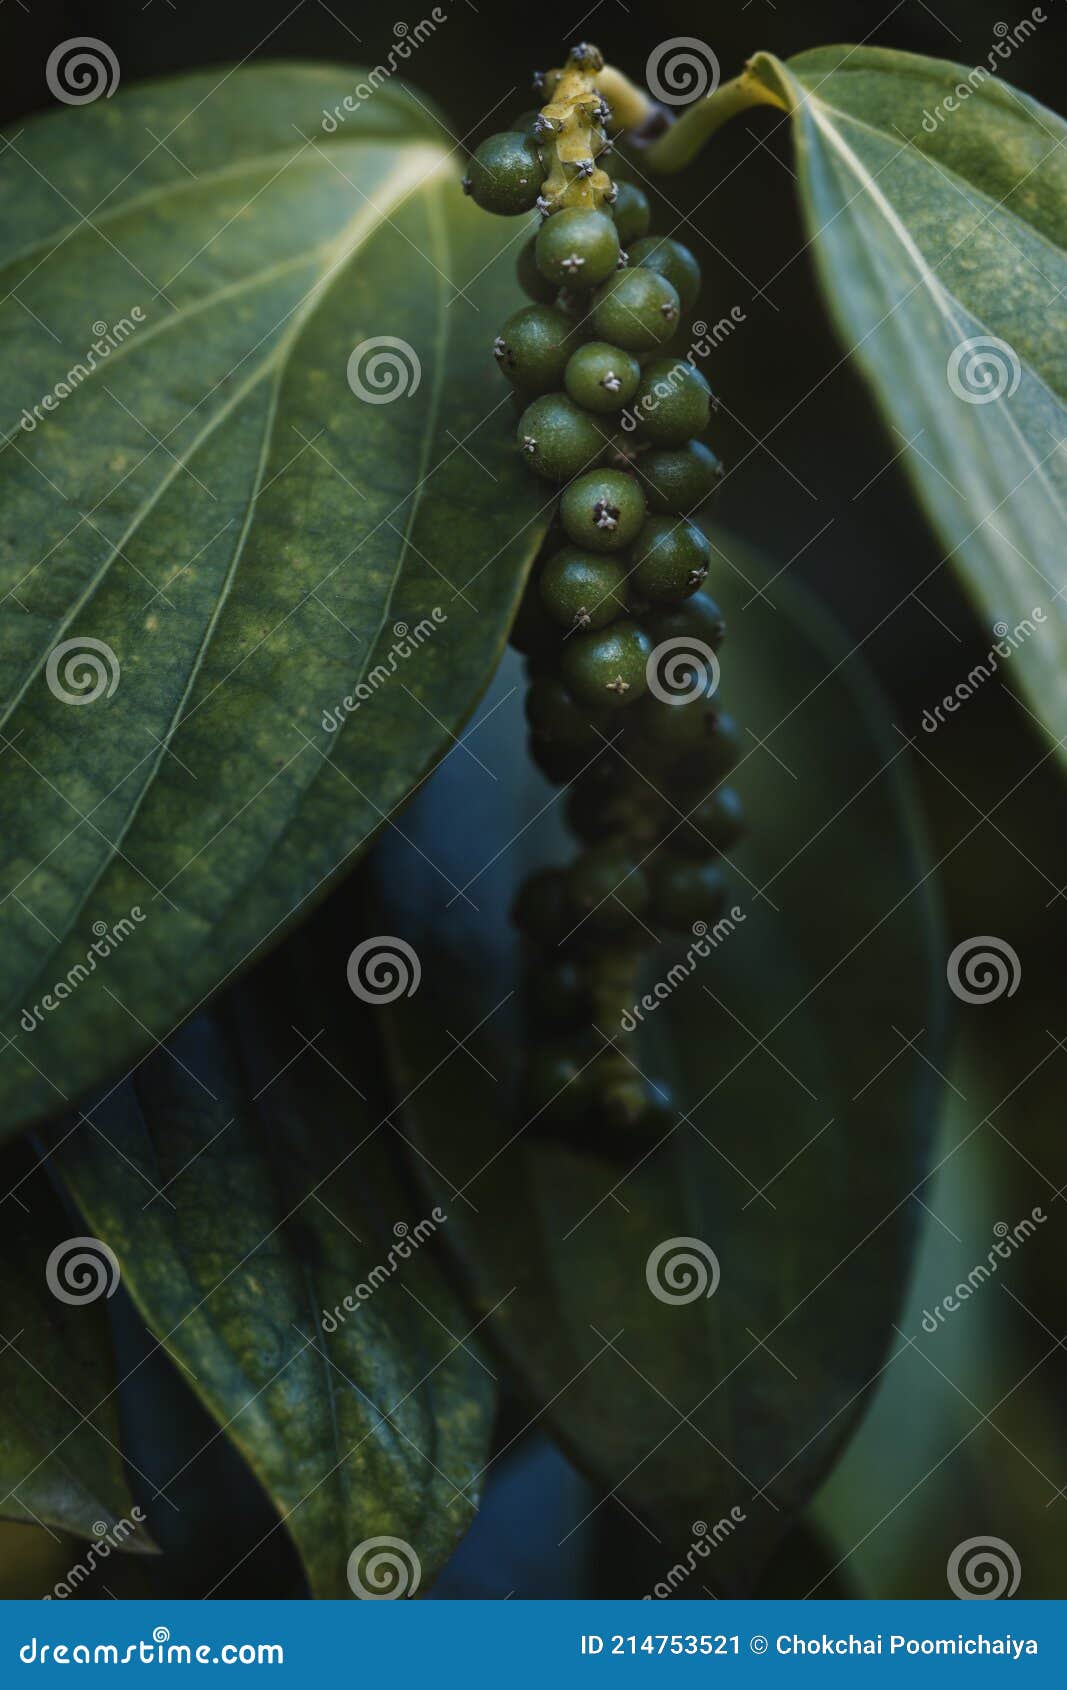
681	143
631	106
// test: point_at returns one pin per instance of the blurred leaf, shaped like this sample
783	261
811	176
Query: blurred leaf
60	1461
804	1113
275	1202
939	232
229	529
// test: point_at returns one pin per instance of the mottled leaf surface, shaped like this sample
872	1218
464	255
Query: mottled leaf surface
245	536
246	1187
60	1460
938	225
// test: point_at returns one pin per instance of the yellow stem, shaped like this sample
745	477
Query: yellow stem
576	138
630	106
684	139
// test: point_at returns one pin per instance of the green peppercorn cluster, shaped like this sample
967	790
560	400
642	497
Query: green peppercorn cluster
609	417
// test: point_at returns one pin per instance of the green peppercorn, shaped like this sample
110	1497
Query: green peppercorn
556	438
607	665
685	892
524	124
626	808
603	510
624	451
669	559
664	739
715	823
674	261
636	309
533	348
632	213
606	887
554	717
600	377
718	751
577	248
531	281
583	589
679	479
673	402
698	618
505	174
533	632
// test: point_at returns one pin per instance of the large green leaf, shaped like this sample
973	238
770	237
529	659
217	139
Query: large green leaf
246	1195
278	1202
804	1123
245	534
937	229
60	1460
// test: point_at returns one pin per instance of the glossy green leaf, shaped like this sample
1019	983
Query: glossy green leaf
60	1459
245	1186
803	1118
935	198
250	530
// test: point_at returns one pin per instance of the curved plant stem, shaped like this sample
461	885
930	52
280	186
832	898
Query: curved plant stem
630	106
684	139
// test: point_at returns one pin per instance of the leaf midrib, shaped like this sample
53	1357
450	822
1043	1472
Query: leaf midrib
1001	205
326	759
274	365
943	297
